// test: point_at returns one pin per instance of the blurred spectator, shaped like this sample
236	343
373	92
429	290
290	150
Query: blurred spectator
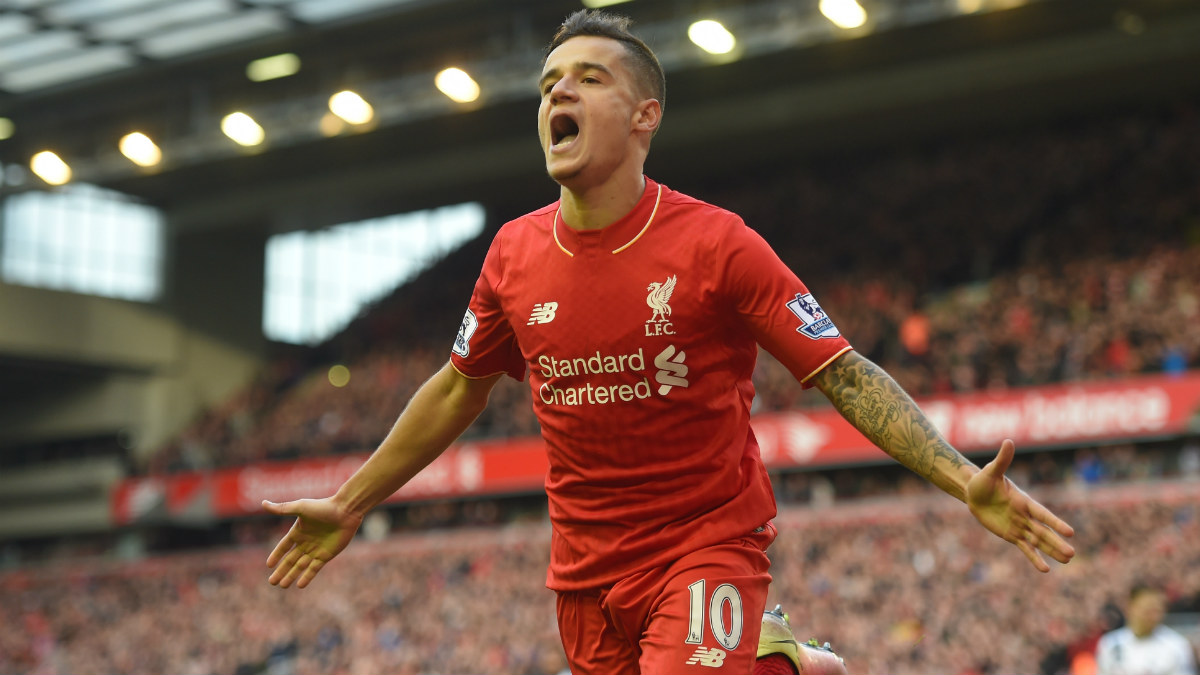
1144	646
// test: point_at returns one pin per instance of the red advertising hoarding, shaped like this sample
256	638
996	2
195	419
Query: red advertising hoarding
1035	417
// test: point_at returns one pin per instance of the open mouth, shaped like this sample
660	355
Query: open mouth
563	130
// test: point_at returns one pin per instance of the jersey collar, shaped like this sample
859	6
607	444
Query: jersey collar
616	237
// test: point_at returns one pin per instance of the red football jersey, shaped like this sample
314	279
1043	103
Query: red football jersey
639	341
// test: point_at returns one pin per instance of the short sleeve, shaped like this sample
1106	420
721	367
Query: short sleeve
485	344
776	306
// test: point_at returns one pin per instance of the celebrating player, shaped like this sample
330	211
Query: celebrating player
635	312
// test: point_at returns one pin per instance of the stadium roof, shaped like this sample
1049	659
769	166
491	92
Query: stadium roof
76	75
47	43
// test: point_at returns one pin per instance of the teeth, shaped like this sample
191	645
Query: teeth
565	140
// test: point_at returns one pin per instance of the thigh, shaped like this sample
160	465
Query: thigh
592	643
708	615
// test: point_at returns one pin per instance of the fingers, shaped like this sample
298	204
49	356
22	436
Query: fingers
1034	537
298	566
313	567
1031	552
289	561
1054	546
280	509
291	538
1038	530
300	571
999	465
1049	531
285	544
1059	550
286	565
1047	541
1046	516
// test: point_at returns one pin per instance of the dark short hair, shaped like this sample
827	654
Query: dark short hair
646	67
1141	587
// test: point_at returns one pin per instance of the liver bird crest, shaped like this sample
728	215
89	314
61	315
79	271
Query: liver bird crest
660	295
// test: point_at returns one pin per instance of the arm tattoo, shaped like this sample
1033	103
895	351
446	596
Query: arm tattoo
876	413
876	405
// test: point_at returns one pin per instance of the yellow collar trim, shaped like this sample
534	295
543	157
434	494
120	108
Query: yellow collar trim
555	228
657	199
654	212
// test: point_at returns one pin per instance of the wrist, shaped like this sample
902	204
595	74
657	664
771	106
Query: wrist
350	504
963	476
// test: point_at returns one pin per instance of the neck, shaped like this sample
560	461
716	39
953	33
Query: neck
600	206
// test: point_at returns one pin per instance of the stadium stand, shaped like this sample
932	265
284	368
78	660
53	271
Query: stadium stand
1037	276
897	577
1059	252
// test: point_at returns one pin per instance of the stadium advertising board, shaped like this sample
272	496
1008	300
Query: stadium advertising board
1037	417
1140	408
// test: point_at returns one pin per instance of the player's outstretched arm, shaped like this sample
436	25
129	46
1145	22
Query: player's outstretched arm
438	413
876	405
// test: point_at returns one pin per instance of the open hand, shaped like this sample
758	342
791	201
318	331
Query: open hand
1014	516
322	529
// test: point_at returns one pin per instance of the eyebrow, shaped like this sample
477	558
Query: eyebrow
555	73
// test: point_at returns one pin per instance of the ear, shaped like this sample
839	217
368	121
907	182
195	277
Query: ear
647	116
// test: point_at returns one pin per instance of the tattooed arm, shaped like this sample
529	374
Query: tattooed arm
876	405
872	401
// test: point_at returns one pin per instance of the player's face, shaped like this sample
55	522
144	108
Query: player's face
589	111
1146	611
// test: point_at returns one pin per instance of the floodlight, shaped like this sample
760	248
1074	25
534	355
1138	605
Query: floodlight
50	168
712	37
457	84
844	13
140	149
242	129
351	107
273	67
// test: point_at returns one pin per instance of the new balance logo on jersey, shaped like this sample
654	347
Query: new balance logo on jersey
713	658
672	372
543	312
658	300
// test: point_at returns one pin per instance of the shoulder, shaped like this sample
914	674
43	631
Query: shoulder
678	203
714	232
517	233
1112	638
535	221
1169	635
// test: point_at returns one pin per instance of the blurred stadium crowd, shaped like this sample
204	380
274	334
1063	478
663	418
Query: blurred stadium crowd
1062	255
1066	254
899	578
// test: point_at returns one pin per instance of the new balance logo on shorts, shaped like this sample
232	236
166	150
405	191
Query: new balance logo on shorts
543	312
713	658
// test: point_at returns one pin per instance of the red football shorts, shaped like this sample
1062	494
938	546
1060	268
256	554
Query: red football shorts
700	614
